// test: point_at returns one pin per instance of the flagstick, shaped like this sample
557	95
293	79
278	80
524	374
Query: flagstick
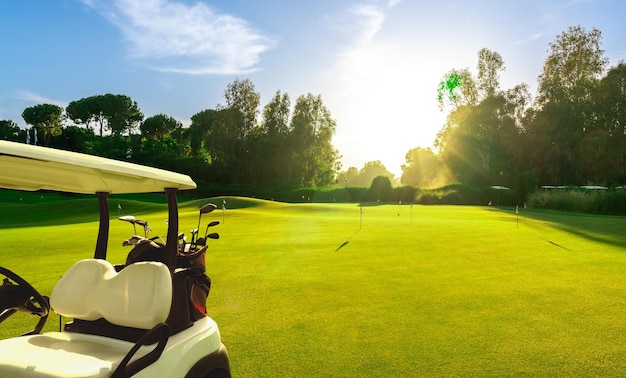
223	211
361	218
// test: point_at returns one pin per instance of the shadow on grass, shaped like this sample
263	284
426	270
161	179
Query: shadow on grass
347	241
607	229
77	209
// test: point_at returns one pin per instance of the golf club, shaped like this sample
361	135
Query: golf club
213	235
131	219
211	224
205	210
146	228
209	207
194	233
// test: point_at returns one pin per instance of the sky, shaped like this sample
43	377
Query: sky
375	63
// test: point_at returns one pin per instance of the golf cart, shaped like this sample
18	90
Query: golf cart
142	318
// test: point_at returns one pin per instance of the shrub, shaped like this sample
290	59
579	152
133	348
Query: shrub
612	201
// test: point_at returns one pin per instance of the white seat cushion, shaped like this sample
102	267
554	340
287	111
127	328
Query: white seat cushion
57	354
139	296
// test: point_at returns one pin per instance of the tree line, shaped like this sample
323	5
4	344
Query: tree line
573	132
227	144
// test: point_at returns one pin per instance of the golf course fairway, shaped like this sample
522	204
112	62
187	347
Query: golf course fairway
389	290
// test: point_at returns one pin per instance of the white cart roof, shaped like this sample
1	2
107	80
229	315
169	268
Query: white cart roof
28	167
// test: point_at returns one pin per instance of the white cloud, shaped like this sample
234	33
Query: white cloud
532	38
369	21
35	99
184	38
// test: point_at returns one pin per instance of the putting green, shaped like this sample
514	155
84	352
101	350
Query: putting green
325	290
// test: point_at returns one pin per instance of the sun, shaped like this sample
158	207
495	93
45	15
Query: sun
384	99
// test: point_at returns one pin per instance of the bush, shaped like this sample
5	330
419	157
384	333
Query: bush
380	190
461	194
612	201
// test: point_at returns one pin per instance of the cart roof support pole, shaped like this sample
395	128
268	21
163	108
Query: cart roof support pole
103	231
171	244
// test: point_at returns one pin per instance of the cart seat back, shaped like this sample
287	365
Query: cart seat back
138	296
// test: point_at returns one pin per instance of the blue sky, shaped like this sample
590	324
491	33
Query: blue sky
376	63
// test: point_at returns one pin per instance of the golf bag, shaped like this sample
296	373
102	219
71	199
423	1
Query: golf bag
197	282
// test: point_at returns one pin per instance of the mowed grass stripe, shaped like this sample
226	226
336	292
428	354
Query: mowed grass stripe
439	291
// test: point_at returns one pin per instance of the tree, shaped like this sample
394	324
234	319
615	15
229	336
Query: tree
158	126
315	160
603	150
224	142
9	130
421	168
276	115
117	113
490	63
369	172
242	95
271	146
471	140
380	189
81	112
575	63
457	88
47	117
568	80
74	138
121	112
345	178
200	125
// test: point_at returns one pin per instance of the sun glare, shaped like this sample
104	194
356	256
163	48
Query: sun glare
385	104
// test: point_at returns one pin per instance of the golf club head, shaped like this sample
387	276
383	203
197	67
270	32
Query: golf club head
127	218
211	224
213	235
204	210
130	219
208	208
133	240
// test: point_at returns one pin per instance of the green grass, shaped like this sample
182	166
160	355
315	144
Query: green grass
309	290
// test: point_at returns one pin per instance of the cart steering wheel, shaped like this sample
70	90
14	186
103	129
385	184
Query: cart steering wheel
21	296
